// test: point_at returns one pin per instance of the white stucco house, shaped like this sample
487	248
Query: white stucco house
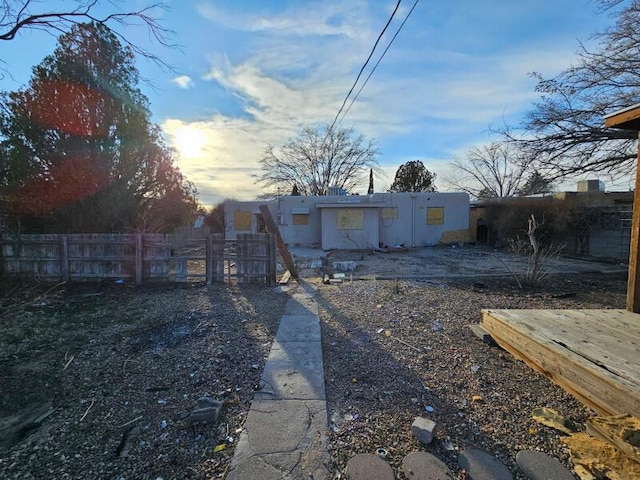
358	221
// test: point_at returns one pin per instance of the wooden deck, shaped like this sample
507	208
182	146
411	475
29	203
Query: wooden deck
592	354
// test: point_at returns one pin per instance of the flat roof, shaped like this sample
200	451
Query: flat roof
350	205
626	119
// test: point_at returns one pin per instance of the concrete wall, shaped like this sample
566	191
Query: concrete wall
291	224
242	217
420	219
411	226
338	234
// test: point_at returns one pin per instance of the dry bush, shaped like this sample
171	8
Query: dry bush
558	221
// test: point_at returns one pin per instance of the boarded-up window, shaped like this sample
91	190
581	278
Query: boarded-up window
350	219
241	220
435	215
390	213
301	219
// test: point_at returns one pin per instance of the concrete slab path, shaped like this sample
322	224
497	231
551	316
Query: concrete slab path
285	434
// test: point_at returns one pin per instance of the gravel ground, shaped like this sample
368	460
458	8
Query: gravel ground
394	349
119	370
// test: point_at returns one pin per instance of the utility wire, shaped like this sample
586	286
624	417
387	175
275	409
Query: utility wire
378	62
363	67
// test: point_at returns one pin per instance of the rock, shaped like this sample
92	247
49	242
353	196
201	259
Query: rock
422	465
540	466
423	428
208	411
208	402
348	266
367	466
480	465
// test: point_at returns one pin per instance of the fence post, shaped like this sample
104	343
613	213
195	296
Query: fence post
209	260
181	270
64	258
218	257
139	264
241	255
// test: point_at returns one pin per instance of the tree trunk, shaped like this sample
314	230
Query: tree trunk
534	262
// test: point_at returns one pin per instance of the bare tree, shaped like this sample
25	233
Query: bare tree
493	170
564	133
317	160
17	15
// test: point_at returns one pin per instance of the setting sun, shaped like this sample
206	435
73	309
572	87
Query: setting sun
188	141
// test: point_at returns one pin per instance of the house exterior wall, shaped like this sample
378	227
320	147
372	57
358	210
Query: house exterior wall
411	229
350	228
292	226
412	219
242	217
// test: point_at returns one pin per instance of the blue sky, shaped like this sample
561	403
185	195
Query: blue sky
253	73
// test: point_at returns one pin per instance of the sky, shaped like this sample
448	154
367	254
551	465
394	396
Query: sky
248	74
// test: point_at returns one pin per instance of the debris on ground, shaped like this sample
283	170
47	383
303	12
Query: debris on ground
160	381
480	396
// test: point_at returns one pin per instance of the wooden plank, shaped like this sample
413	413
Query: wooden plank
482	334
570	337
139	268
633	283
282	248
271	268
209	261
284	280
64	258
218	257
595	386
615	431
586	334
625	119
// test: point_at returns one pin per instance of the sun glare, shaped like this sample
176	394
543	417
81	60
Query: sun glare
189	142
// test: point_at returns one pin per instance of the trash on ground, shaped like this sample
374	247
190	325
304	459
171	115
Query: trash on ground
551	418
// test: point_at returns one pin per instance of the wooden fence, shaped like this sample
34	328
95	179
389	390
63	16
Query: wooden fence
139	258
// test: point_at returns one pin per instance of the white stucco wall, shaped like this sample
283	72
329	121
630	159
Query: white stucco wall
231	209
337	234
410	227
387	219
300	234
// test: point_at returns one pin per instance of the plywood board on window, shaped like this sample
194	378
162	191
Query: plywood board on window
390	213
435	215
350	219
241	220
300	219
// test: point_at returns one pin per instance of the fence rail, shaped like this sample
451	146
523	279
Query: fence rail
141	258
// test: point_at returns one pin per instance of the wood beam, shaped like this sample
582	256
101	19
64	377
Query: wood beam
633	284
282	248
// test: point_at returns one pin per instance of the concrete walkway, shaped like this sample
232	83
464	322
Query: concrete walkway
285	433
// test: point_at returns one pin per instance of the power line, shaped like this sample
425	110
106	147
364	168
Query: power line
363	67
378	62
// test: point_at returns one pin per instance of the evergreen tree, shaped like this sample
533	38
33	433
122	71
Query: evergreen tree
413	177
78	150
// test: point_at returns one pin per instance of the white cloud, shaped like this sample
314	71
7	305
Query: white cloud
303	61
308	19
183	81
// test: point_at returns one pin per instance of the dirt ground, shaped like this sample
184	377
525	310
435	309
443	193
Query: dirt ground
99	381
454	261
